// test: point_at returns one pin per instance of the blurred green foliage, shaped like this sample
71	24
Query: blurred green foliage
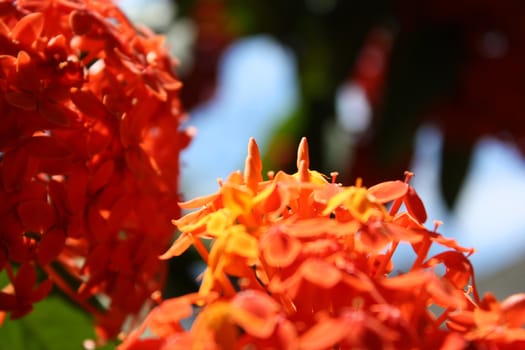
54	324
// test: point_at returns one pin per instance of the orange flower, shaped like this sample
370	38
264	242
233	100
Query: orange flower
89	145
492	323
217	326
297	262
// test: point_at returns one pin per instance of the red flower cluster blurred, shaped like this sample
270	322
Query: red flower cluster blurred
89	146
487	99
301	262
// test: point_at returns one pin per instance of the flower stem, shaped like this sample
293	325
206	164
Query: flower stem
64	287
201	248
381	269
393	210
226	285
421	253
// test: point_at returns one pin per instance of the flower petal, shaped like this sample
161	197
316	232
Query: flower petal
183	242
415	205
324	334
26	72
46	147
459	269
513	310
28	28
320	273
22	100
50	245
36	215
279	249
388	191
198	202
80	22
255	312
56	113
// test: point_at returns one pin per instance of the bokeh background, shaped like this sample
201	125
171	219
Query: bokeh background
378	87
436	87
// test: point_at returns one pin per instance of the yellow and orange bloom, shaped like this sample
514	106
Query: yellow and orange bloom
299	262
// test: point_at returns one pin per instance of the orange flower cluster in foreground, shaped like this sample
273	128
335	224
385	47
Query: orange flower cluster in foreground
89	145
299	262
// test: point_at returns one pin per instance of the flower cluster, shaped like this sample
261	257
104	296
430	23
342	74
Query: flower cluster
301	262
89	144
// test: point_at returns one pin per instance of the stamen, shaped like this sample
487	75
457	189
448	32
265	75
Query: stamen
334	175
408	176
437	224
156	296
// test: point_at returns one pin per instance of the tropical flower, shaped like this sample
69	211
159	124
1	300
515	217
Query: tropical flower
301	262
89	145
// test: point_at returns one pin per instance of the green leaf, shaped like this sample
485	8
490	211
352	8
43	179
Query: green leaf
54	324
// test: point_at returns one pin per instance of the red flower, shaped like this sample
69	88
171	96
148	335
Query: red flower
89	145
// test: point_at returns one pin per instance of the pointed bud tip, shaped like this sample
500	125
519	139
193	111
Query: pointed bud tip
253	152
303	153
253	165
